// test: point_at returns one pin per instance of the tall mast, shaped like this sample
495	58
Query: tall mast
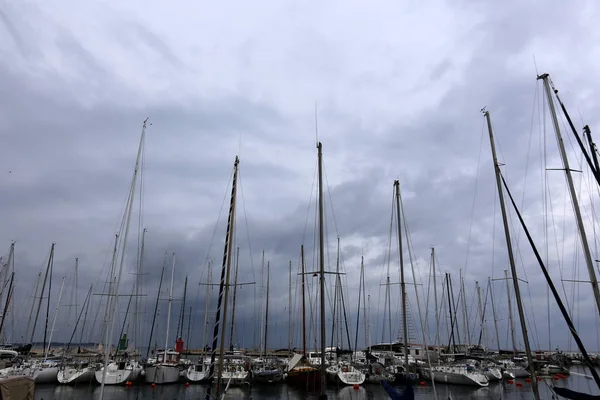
182	321
335	317
323	395
465	312
364	300
47	349
113	300
435	299
511	258
368	339
510	316
235	278
138	283
261	293
5	280
76	284
303	303
162	273
360	289
48	302
39	306
206	303
7	303
267	307
169	309
563	155
338	283
452	339
35	292
491	289
87	307
290	330
402	283
223	291
481	312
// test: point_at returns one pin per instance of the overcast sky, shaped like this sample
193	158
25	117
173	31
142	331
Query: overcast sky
398	88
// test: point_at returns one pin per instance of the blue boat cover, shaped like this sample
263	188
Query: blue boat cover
408	393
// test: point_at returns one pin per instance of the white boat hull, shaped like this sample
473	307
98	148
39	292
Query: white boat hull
116	375
70	375
352	377
197	373
459	376
161	374
43	374
493	374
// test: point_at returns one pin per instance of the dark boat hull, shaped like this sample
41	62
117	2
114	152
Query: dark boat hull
305	378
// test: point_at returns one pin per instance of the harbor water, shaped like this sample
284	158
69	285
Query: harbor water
519	389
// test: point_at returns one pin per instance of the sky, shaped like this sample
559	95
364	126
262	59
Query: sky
393	90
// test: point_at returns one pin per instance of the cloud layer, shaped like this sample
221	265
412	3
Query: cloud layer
397	89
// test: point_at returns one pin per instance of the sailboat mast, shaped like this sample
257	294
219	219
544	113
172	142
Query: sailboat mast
235	280
114	299
169	309
511	258
49	292
335	317
451	339
360	289
563	155
402	282
7	303
39	306
510	316
323	395
464	306
111	280
162	274
267	308
138	282
182	321
435	299
223	291
261	293
62	285
369	324
491	289
303	303
35	292
366	315
290	329
206	303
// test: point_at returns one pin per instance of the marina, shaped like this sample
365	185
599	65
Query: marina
292	200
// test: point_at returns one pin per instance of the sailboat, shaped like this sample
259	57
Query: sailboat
300	372
121	368
166	367
46	369
267	370
81	371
